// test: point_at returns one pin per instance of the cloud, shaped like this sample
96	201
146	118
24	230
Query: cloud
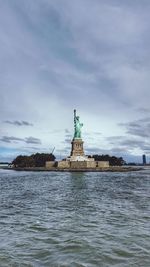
143	110
67	138
28	140
93	150
105	57
68	135
139	127
67	131
129	146
32	140
9	139
19	123
97	133
111	47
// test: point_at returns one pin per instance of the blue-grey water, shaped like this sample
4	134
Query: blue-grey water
74	219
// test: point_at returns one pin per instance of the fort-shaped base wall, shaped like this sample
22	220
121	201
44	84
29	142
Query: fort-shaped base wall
65	164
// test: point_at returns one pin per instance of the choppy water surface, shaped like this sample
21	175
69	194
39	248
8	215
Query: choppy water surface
74	219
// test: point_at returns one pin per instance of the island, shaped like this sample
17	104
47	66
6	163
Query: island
77	161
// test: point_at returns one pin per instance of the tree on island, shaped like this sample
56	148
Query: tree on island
35	160
113	160
23	161
41	158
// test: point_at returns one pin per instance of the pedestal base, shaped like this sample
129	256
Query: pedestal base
77	148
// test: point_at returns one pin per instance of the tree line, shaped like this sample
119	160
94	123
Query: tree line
34	160
113	160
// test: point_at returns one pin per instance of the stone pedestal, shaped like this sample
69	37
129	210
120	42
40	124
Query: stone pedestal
77	148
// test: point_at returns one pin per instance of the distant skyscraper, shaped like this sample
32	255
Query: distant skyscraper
144	159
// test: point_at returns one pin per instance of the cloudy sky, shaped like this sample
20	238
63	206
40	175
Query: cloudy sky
92	55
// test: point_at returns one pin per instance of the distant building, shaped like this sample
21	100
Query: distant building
144	159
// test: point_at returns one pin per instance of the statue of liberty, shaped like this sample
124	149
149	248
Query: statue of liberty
77	126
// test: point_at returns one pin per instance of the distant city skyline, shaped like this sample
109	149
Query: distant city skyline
144	159
89	55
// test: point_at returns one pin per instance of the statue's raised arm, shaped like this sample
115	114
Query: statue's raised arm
77	126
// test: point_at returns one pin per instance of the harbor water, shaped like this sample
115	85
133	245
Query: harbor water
50	219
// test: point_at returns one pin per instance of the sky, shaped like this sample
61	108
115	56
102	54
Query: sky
88	55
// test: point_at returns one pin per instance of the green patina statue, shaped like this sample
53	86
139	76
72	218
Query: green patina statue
77	126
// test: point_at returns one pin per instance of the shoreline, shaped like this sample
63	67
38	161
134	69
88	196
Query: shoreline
55	169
